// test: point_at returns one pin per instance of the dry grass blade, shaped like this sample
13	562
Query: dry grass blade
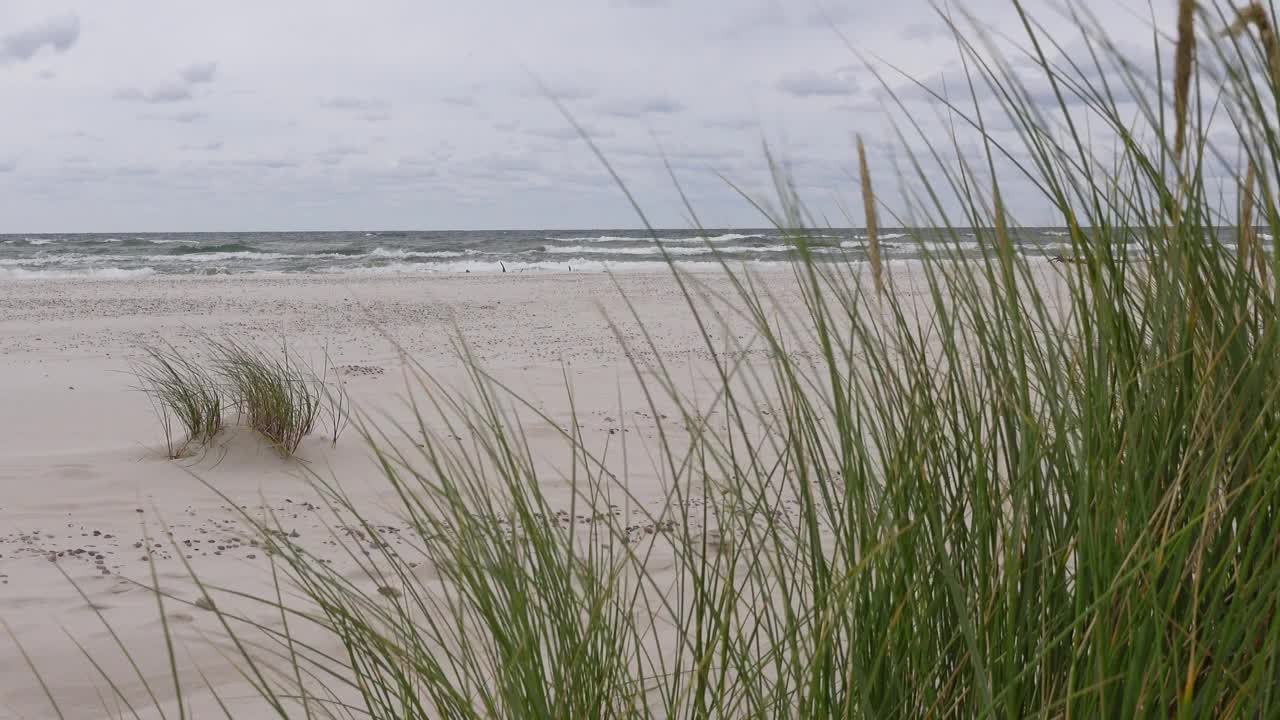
1002	228
869	207
1257	15
1247	232
1183	56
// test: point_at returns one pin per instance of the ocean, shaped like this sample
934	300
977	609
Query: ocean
124	255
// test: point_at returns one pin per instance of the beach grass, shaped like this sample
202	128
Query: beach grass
973	499
277	394
185	396
274	392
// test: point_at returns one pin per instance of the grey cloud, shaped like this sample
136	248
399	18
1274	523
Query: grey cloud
133	170
270	163
638	107
352	104
396	95
160	94
917	31
399	172
347	149
98	173
338	153
809	83
59	33
198	73
488	166
826	15
81	135
652	151
953	83
874	105
414	161
47	74
567	132
8	166
769	17
732	122
564	90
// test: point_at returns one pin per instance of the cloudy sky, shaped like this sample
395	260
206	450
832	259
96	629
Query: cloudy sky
154	115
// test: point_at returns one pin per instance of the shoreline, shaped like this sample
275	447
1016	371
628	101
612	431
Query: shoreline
624	269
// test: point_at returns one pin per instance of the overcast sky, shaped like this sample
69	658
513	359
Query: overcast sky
154	115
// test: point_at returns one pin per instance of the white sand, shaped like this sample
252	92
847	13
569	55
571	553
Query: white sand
83	476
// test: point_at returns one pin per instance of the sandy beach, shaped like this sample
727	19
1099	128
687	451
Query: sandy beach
87	489
639	359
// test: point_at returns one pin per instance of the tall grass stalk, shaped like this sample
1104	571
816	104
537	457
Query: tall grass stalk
182	393
984	498
869	213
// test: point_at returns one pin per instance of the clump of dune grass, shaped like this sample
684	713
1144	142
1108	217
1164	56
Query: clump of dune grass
274	393
976	499
183	394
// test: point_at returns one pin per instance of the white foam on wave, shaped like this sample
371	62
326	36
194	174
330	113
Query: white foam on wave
111	240
219	257
171	241
107	273
652	250
698	240
576	264
881	236
43	259
398	253
41	241
655	251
